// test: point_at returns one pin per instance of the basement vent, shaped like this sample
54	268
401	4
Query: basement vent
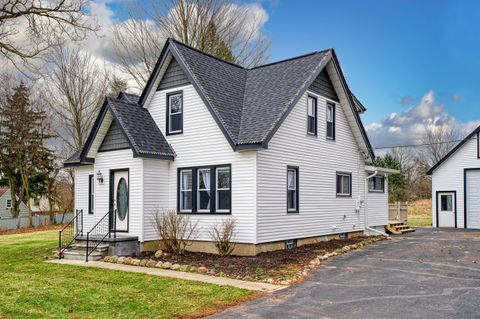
290	244
344	236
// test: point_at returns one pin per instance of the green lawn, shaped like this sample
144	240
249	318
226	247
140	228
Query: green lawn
31	288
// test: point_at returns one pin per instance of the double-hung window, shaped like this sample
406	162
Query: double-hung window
312	115
292	189
186	182
376	184
205	189
344	184
91	194
222	184
330	121
175	113
8	203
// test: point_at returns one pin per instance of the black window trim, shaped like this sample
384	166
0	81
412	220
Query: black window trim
334	111
315	133
297	189
91	191
167	103
213	190
377	190
349	174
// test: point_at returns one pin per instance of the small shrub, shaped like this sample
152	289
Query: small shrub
222	235
174	229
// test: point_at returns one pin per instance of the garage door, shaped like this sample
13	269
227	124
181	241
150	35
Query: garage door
473	199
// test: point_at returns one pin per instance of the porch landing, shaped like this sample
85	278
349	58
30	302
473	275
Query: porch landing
255	286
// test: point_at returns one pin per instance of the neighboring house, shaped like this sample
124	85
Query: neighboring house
280	148
456	185
6	204
40	204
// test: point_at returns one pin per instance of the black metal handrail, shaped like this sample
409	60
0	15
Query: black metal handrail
105	227
68	234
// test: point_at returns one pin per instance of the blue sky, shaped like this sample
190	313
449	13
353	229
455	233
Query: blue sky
416	59
392	52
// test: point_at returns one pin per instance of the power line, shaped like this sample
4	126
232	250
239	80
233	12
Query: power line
417	145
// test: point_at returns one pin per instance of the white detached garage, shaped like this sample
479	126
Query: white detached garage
456	186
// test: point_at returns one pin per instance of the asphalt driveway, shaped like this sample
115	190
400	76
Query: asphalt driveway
427	274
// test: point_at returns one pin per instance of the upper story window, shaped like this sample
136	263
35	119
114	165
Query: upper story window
330	121
91	194
376	184
312	115
205	189
8	204
292	189
344	184
175	113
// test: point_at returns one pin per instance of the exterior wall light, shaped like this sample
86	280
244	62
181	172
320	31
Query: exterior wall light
99	177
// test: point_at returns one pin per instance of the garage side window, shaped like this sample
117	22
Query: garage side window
446	203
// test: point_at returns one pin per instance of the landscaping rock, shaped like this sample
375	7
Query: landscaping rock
354	246
167	265
202	270
346	249
151	263
136	262
193	269
106	259
175	267
159	265
128	261
120	260
158	253
143	262
114	259
184	268
285	282
270	280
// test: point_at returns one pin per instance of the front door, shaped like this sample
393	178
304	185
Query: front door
446	209
119	200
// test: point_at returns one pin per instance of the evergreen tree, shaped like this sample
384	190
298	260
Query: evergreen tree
397	185
24	156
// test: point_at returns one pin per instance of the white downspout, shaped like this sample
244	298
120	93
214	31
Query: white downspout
366	206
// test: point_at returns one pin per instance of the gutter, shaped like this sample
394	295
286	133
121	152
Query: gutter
375	173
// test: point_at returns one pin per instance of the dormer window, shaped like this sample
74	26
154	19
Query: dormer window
174	113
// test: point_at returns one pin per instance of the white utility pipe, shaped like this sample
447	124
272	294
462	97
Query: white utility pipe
366	206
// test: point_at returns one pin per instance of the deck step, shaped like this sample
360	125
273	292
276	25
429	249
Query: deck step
399	228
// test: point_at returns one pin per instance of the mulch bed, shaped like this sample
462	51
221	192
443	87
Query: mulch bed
30	230
278	265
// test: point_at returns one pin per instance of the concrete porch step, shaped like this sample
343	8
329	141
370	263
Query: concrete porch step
79	254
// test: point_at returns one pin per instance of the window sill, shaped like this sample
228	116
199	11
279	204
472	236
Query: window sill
344	195
174	133
292	211
374	191
205	213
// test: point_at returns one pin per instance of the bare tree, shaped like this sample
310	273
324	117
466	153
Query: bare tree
438	141
77	85
29	28
174	229
219	27
222	234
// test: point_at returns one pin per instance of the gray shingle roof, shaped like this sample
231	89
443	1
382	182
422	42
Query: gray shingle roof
141	130
250	103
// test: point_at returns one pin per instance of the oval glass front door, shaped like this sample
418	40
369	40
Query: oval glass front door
122	199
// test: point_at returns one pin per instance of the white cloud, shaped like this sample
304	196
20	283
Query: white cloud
408	127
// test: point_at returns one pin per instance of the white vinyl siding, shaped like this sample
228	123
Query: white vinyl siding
321	211
377	207
82	174
202	144
449	176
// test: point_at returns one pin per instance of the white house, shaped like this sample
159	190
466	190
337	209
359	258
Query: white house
456	185
280	148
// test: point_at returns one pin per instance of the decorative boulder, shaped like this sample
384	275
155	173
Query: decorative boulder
167	265
193	269
114	259
120	260
158	253
184	268
128	261
202	270
151	263
175	267
159	265
143	262
106	259
136	262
